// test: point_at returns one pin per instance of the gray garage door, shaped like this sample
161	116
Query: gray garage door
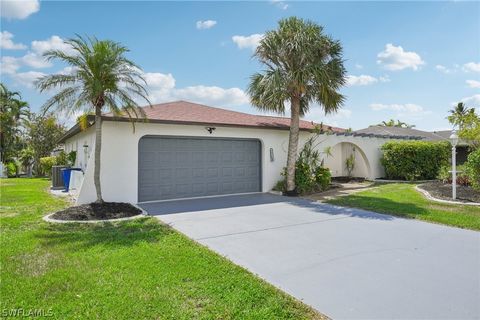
173	167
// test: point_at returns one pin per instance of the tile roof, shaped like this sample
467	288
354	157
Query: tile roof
184	112
396	131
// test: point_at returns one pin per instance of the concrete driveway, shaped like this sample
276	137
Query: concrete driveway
346	263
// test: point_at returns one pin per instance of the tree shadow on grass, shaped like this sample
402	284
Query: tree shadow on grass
105	234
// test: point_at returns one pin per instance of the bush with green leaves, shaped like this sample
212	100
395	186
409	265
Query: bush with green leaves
445	175
310	176
473	168
46	164
323	178
12	169
414	160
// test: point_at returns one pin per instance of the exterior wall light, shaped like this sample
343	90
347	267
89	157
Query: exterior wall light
272	155
210	129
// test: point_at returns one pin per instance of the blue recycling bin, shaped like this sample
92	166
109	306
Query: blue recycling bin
66	173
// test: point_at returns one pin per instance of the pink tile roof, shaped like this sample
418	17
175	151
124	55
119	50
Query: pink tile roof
193	113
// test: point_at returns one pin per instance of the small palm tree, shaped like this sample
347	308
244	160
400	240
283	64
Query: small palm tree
102	77
397	124
303	66
458	115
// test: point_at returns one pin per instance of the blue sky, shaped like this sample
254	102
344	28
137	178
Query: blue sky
406	60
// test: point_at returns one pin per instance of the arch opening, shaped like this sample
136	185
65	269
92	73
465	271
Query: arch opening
336	161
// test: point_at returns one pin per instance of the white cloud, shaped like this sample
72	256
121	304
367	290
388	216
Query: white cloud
443	69
34	58
471	67
251	41
9	65
27	78
358	66
6	42
408	111
317	115
53	43
473	83
384	78
365	80
395	58
362	80
472	101
35	61
279	4
162	89
206	24
18	9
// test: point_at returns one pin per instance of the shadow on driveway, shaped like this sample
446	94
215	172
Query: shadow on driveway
248	200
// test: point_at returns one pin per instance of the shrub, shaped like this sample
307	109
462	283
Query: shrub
473	168
12	169
310	176
280	185
46	164
72	156
462	175
323	177
304	177
414	160
61	159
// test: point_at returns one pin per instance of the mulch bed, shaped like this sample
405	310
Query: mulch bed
443	191
98	211
347	179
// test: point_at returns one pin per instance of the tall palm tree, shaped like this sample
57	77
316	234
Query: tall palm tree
14	114
302	66
102	77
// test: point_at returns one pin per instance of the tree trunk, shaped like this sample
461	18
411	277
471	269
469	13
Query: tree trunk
293	145
98	147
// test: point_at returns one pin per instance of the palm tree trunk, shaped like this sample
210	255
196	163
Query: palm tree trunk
98	147
293	145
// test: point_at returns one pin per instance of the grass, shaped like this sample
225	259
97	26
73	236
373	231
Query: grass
403	200
139	269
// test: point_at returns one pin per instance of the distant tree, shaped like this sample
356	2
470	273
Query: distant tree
43	134
102	78
303	65
14	114
26	158
396	123
470	128
460	114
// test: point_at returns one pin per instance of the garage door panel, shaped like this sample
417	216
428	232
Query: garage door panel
171	168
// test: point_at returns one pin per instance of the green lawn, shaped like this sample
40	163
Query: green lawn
403	200
130	270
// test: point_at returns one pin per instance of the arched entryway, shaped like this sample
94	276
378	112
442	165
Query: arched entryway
335	158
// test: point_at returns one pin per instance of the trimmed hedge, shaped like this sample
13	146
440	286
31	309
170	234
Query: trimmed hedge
473	168
414	160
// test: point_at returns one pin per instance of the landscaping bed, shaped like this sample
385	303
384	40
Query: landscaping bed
97	211
443	191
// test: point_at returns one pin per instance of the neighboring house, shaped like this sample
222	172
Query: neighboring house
189	150
462	147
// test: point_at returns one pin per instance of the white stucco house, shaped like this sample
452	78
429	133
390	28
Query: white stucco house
186	150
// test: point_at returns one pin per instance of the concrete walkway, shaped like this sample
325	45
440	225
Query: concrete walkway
346	263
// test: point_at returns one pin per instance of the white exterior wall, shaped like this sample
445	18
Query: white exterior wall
76	143
119	157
